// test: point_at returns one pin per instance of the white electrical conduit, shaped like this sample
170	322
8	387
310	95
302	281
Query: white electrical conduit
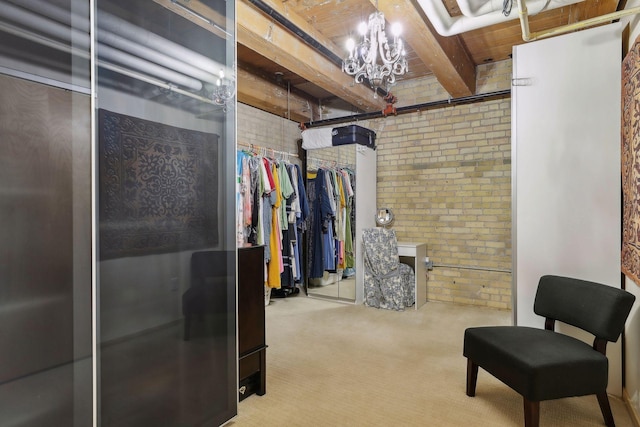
107	37
446	25
80	40
474	10
113	25
132	61
112	28
37	38
133	48
21	32
39	23
147	79
528	36
56	13
160	44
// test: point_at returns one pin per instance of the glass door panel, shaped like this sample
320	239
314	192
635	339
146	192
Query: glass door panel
45	210
167	261
327	172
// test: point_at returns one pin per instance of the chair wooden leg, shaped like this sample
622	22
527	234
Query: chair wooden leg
603	400
531	413
472	377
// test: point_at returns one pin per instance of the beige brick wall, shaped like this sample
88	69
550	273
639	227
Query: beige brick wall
342	156
446	173
489	78
266	130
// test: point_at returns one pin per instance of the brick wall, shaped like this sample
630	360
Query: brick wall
267	130
446	173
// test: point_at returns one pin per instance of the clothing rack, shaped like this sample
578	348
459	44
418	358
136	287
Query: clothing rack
257	150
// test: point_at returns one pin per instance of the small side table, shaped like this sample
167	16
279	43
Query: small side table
414	254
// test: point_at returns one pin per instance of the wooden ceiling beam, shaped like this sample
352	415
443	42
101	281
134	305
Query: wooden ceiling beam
590	9
265	37
446	57
216	22
267	96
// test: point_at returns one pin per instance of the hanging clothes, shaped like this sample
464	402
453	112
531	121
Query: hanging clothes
301	216
321	199
275	247
330	194
288	225
272	211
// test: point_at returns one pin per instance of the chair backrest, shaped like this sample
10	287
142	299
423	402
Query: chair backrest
206	265
599	309
380	249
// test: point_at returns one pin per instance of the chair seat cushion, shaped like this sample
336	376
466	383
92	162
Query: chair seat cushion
537	363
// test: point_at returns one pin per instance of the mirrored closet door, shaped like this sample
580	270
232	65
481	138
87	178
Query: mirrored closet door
331	190
341	193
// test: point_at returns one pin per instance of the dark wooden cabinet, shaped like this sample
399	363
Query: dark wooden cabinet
252	347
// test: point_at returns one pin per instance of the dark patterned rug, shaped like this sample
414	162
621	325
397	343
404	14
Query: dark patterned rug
631	163
158	187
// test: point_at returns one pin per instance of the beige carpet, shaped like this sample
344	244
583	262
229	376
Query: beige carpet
332	364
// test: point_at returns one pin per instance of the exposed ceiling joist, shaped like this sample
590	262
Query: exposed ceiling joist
200	15
590	9
265	37
282	7
445	56
270	97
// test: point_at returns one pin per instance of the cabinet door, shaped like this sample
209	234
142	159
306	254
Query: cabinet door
566	165
251	334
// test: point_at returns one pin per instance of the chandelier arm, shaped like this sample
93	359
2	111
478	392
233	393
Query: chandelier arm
375	59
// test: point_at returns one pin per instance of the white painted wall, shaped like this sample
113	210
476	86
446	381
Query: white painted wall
632	331
566	167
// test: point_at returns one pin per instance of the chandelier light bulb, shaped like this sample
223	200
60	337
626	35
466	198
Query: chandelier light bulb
396	29
351	44
374	57
362	28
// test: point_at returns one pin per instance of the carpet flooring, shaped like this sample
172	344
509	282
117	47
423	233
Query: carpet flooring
333	364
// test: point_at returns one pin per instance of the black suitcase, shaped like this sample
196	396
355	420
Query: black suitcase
353	134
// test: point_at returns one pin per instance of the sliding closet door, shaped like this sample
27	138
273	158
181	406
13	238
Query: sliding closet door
45	215
566	166
167	259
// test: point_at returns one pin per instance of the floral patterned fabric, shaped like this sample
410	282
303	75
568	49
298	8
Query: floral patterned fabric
388	283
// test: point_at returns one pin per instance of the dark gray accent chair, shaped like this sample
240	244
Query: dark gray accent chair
542	364
207	295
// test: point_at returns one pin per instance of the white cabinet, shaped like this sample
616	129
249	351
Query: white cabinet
566	166
414	254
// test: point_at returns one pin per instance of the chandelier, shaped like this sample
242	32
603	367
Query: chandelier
223	91
375	58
